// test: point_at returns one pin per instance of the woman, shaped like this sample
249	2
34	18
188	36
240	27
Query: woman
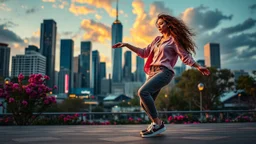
162	56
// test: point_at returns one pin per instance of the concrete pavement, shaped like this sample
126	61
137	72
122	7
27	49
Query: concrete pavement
212	133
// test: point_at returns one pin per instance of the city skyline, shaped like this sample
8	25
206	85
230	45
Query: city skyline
90	21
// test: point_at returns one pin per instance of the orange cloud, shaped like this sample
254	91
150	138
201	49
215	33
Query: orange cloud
144	29
187	15
36	33
63	4
95	31
80	10
105	4
4	7
98	17
105	59
52	1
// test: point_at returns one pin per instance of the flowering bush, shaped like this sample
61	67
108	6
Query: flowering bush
24	100
6	120
245	118
180	119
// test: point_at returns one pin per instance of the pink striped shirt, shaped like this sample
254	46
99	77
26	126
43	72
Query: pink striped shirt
168	53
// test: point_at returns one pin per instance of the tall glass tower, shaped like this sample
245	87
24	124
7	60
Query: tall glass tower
212	55
5	60
48	47
85	64
95	71
117	36
127	66
66	64
140	74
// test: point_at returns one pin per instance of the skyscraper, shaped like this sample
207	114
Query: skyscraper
31	48
66	64
117	36
102	70
140	74
63	84
5	60
212	55
75	64
102	73
127	71
95	71
31	63
85	64
48	47
77	75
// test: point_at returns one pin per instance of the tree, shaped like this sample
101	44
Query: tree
172	100
72	105
248	83
135	101
215	84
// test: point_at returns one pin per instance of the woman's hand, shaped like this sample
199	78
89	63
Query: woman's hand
203	70
119	45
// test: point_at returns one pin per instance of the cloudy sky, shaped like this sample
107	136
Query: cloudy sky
228	22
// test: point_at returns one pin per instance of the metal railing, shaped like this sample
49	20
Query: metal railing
208	115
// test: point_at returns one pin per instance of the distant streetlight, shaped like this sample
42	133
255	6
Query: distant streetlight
7	80
239	101
167	101
201	88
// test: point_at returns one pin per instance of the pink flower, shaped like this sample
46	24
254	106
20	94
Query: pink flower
28	90
15	86
20	77
6	120
55	87
61	116
76	115
66	119
170	118
25	103
46	102
139	119
51	99
46	77
11	100
130	119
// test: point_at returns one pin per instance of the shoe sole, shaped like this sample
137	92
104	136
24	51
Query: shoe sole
155	133
142	132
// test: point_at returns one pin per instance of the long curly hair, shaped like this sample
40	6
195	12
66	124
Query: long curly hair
180	32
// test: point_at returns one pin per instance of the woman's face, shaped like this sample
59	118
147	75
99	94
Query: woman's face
162	26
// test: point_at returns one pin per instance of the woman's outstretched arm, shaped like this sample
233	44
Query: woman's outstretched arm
129	46
142	52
